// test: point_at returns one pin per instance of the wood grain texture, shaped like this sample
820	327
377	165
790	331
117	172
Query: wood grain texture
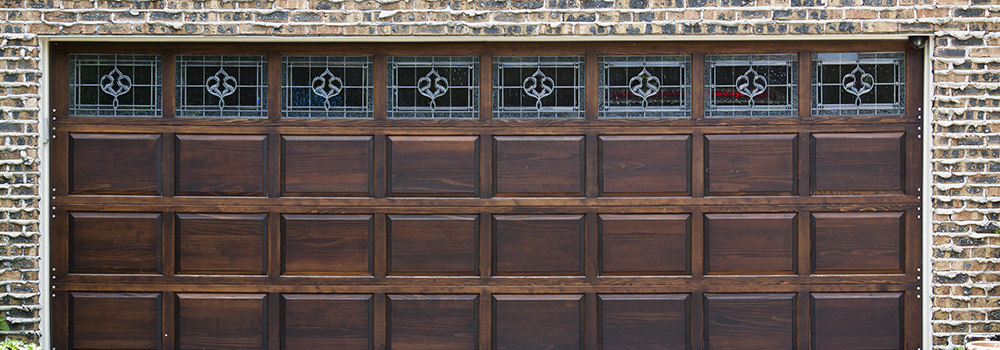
433	244
858	242
538	165
327	165
433	165
542	322
327	321
644	244
221	321
857	163
231	165
749	321
758	164
538	244
118	164
750	243
315	244
643	321
433	322
857	321
221	243
115	320
116	242
645	165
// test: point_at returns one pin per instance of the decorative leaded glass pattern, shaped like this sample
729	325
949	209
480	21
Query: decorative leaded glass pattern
644	86
538	87
222	86
114	85
433	87
858	83
326	87
751	85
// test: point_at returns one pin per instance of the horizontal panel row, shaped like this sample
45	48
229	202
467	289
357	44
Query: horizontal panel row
442	245
626	165
516	321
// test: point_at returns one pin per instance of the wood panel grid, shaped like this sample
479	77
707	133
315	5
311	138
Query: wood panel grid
489	233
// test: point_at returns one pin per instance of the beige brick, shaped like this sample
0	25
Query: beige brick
860	14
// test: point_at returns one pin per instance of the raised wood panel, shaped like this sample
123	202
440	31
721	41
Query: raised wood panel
221	243
115	242
433	244
751	164
538	244
858	242
327	165
857	163
115	320
314	244
750	243
118	164
327	321
538	165
434	165
643	321
433	322
646	244
542	322
644	165
221	321
750	321
857	321
229	165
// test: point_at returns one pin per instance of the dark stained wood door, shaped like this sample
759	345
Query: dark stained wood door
794	232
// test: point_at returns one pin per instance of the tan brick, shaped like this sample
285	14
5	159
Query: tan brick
927	13
984	52
902	13
860	14
967	315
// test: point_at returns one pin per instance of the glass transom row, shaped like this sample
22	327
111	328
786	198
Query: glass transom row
431	87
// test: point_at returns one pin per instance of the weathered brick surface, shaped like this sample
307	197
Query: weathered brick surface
965	115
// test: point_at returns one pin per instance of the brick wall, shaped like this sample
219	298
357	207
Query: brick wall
966	97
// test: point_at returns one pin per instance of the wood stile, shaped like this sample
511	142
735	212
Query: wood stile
581	233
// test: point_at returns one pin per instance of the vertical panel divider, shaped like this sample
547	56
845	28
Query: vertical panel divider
804	241
273	149
274	253
591	254
804	177
381	246
698	170
486	165
697	321
914	82
379	86
169	320
272	316
485	246
697	85
911	243
485	320
60	245
168	92
912	320
169	151
590	167
381	318
590	322
61	151
805	84
169	244
803	315
912	157
697	244
60	319
590	86
273	86
485	86
59	65
380	158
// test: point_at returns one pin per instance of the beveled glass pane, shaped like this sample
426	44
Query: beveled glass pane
858	83
751	85
326	86
432	87
221	86
114	85
538	87
644	86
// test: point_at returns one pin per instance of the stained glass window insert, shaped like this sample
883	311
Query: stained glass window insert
114	85
538	87
326	87
433	87
644	86
222	86
858	83
751	85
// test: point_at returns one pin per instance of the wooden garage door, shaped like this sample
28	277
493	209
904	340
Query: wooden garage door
486	196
